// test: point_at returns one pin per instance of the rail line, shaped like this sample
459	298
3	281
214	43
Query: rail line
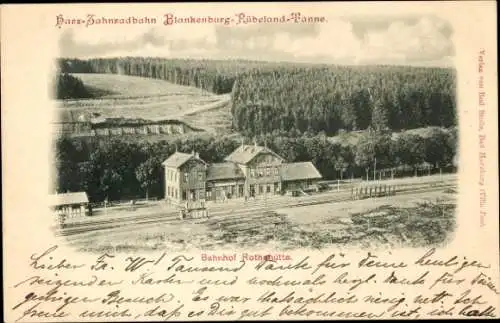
224	213
248	205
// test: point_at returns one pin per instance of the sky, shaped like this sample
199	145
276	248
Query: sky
411	40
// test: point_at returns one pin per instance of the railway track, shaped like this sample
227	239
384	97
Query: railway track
223	213
215	209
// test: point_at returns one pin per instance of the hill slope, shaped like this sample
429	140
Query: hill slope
147	98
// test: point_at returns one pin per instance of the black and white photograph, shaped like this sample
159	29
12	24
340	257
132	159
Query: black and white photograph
250	161
287	136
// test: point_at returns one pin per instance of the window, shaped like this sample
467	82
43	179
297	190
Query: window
176	193
168	190
261	173
268	188
261	189
184	195
268	171
186	177
252	172
276	171
200	176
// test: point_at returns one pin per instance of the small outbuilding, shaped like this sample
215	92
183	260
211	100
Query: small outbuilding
70	204
299	176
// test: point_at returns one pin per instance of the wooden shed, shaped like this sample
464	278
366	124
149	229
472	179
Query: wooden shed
70	204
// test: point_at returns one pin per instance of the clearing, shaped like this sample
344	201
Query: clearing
153	99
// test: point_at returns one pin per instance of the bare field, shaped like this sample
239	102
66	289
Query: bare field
124	86
215	120
138	97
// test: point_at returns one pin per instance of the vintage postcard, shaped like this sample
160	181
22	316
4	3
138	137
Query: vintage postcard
250	161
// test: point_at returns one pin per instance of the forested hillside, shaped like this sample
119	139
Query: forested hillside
303	97
349	98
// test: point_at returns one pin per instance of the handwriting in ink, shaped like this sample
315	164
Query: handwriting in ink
45	261
484	280
116	298
371	261
427	260
217	310
328	263
93	281
179	266
267	264
101	262
398	279
52	297
147	279
447	278
138	262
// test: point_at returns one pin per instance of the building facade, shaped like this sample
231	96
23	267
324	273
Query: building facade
261	168
185	178
248	172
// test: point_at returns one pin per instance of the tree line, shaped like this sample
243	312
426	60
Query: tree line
70	87
216	76
117	169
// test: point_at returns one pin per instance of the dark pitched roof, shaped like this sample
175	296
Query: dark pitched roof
178	159
245	153
220	171
299	171
68	198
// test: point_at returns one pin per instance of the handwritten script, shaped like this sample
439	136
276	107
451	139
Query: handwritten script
182	287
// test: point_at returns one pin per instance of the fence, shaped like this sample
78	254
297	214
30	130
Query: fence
400	172
372	191
96	205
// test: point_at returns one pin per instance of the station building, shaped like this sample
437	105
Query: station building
249	171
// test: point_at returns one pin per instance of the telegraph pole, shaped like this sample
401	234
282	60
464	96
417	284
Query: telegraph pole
375	169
